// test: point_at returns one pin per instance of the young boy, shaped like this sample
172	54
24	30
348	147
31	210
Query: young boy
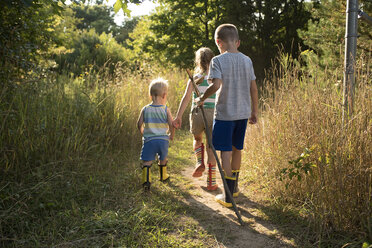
157	119
233	76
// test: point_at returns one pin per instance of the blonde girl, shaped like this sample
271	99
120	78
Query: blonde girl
203	56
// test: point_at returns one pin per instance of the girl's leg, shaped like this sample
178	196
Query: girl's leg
199	155
211	176
198	140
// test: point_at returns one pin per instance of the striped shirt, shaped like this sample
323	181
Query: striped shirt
210	101
155	119
233	100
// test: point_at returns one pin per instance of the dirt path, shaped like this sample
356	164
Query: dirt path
223	223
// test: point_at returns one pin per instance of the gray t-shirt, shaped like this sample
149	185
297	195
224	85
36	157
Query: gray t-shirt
233	99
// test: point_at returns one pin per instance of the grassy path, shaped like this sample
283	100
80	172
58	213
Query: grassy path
99	202
219	222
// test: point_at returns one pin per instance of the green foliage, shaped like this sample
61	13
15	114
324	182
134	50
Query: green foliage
173	33
267	28
123	32
90	51
97	17
299	167
26	32
326	34
179	28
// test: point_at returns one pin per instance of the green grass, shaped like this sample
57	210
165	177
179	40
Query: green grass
70	173
101	203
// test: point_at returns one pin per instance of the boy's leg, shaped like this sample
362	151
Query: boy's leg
163	153
235	166
231	159
226	162
199	155
238	144
236	159
222	141
147	156
224	199
164	176
146	175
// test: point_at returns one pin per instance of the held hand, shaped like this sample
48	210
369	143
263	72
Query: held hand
253	119
198	101
177	123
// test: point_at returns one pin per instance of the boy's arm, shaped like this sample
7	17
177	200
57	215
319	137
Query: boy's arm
216	84
183	104
170	124
140	122
254	97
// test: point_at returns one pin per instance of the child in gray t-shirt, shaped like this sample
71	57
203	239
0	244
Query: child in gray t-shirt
233	79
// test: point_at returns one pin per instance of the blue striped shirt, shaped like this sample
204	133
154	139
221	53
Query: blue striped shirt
155	118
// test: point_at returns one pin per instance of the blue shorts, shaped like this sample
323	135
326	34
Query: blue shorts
229	133
153	147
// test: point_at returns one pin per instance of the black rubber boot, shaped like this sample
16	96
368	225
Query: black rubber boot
224	199
146	177
236	188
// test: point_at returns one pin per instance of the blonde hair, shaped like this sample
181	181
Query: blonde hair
226	32
158	87
203	57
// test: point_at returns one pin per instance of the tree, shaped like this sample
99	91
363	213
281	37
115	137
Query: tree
175	32
26	32
100	17
178	28
127	27
325	35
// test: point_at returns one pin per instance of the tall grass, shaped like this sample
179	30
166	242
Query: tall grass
303	154
69	147
62	140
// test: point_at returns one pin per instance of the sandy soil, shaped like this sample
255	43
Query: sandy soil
223	223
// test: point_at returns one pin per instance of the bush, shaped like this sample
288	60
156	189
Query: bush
91	52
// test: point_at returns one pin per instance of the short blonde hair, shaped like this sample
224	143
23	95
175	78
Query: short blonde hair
226	32
158	87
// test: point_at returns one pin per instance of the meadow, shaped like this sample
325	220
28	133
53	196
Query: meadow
70	170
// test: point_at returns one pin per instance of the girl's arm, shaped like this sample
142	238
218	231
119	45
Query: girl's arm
170	124
183	104
140	122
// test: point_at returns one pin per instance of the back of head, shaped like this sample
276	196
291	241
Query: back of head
203	57
158	87
226	33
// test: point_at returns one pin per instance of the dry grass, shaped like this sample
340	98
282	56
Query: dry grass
303	154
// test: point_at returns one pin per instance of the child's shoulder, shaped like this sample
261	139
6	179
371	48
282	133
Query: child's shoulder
228	58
